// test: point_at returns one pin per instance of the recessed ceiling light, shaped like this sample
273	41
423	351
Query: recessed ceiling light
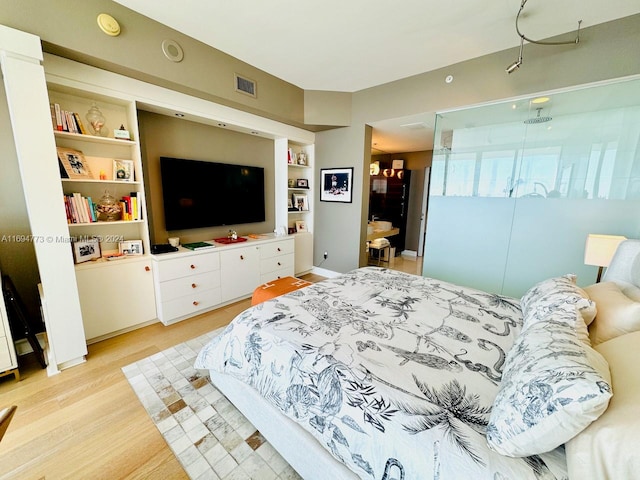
540	100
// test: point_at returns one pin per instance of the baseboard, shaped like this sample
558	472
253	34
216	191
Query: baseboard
324	272
409	254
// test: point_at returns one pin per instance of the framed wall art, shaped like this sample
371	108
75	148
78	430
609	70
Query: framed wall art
336	185
300	202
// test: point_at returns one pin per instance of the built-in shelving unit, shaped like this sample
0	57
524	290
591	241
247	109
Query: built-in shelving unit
115	296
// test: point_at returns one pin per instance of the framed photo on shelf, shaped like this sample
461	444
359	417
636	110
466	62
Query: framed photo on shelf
302	183
301	226
336	185
292	230
123	170
300	202
86	250
74	164
130	247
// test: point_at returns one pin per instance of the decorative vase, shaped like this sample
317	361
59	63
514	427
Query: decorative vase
96	120
108	208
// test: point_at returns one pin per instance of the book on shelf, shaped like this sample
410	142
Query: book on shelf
198	245
66	121
79	209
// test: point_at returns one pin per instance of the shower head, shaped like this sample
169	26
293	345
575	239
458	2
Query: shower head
537	118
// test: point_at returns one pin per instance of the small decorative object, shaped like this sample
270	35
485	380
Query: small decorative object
291	157
336	185
86	250
302	158
103	176
122	133
232	235
292	183
302	183
130	247
123	170
74	163
108	208
174	241
289	203
300	202
301	226
96	120
292	230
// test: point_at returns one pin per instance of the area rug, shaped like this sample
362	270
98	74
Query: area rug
208	435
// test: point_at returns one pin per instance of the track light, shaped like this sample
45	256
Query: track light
515	65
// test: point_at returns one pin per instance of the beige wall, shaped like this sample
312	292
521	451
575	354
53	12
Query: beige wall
172	137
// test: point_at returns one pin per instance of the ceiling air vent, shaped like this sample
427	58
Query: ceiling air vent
246	86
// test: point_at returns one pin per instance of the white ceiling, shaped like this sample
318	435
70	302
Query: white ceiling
350	45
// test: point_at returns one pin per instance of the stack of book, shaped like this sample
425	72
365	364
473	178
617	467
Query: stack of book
65	121
132	206
79	209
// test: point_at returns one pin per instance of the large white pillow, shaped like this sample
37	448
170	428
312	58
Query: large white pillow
617	314
608	448
553	386
549	294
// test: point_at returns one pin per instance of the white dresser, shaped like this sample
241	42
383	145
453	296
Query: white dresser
189	282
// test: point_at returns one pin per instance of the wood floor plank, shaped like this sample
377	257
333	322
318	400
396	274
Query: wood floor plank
87	422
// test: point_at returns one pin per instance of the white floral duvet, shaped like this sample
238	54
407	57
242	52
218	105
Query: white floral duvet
394	374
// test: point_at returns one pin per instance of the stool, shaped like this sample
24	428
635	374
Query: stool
382	253
278	287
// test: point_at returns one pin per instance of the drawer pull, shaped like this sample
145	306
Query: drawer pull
279	249
147	268
193	285
193	267
279	264
196	303
241	257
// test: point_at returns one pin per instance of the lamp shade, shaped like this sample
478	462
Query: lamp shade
599	249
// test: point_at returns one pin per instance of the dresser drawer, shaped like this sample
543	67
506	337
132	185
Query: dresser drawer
193	264
190	285
276	248
276	263
275	275
188	305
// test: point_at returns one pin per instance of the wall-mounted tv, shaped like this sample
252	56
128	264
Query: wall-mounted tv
199	194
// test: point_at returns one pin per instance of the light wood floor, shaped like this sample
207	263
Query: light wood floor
86	422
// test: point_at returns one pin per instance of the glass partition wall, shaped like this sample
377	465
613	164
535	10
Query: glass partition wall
517	186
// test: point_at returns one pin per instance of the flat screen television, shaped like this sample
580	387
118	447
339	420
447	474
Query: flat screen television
198	194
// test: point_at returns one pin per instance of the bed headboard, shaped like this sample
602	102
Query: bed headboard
625	268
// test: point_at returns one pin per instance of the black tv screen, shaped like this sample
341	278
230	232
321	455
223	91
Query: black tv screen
199	194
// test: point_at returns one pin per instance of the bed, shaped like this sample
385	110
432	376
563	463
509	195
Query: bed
378	374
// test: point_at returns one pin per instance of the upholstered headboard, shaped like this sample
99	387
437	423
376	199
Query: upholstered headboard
625	268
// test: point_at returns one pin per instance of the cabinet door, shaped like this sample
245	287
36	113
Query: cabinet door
239	272
116	297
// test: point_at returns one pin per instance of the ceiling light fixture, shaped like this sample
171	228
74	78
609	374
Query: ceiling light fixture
515	65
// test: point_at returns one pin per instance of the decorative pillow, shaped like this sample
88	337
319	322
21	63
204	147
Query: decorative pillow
553	386
608	448
553	292
617	313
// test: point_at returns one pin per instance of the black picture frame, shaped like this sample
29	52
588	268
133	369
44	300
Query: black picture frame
336	185
302	183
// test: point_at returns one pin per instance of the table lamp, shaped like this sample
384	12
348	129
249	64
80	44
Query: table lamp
599	250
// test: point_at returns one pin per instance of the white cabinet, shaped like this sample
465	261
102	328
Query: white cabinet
240	272
187	283
116	297
276	260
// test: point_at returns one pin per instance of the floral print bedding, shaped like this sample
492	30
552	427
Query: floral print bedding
394	374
